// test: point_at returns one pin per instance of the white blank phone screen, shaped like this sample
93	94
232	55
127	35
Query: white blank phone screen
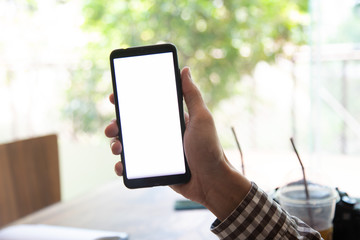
149	115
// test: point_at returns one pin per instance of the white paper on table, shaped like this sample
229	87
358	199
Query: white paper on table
49	232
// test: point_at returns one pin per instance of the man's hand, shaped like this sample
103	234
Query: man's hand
214	182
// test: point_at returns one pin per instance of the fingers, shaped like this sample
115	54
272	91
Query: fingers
192	95
112	130
119	168
115	146
111	98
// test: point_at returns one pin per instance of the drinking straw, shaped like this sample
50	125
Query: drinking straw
311	223
303	170
241	154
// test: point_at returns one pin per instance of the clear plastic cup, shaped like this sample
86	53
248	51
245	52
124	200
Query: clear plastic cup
317	211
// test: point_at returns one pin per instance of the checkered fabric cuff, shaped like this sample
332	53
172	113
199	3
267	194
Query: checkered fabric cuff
259	217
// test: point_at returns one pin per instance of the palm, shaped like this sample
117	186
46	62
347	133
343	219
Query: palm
201	144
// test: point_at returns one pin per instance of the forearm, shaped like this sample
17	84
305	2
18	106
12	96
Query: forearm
226	192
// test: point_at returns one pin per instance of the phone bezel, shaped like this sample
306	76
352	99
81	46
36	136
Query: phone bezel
146	50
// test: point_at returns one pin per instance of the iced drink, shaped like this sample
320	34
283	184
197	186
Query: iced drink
317	211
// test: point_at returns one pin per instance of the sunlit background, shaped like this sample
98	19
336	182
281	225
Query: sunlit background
271	69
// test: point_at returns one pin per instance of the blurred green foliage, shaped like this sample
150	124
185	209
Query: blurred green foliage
220	40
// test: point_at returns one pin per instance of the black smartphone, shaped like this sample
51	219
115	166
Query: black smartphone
149	110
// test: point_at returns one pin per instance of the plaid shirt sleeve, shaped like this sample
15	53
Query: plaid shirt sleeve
259	217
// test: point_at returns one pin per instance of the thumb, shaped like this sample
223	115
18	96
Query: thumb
192	95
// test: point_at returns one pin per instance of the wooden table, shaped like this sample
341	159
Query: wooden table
142	213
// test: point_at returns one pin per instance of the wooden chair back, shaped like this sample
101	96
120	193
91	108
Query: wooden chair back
29	176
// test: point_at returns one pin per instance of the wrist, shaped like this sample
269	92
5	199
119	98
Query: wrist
226	192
